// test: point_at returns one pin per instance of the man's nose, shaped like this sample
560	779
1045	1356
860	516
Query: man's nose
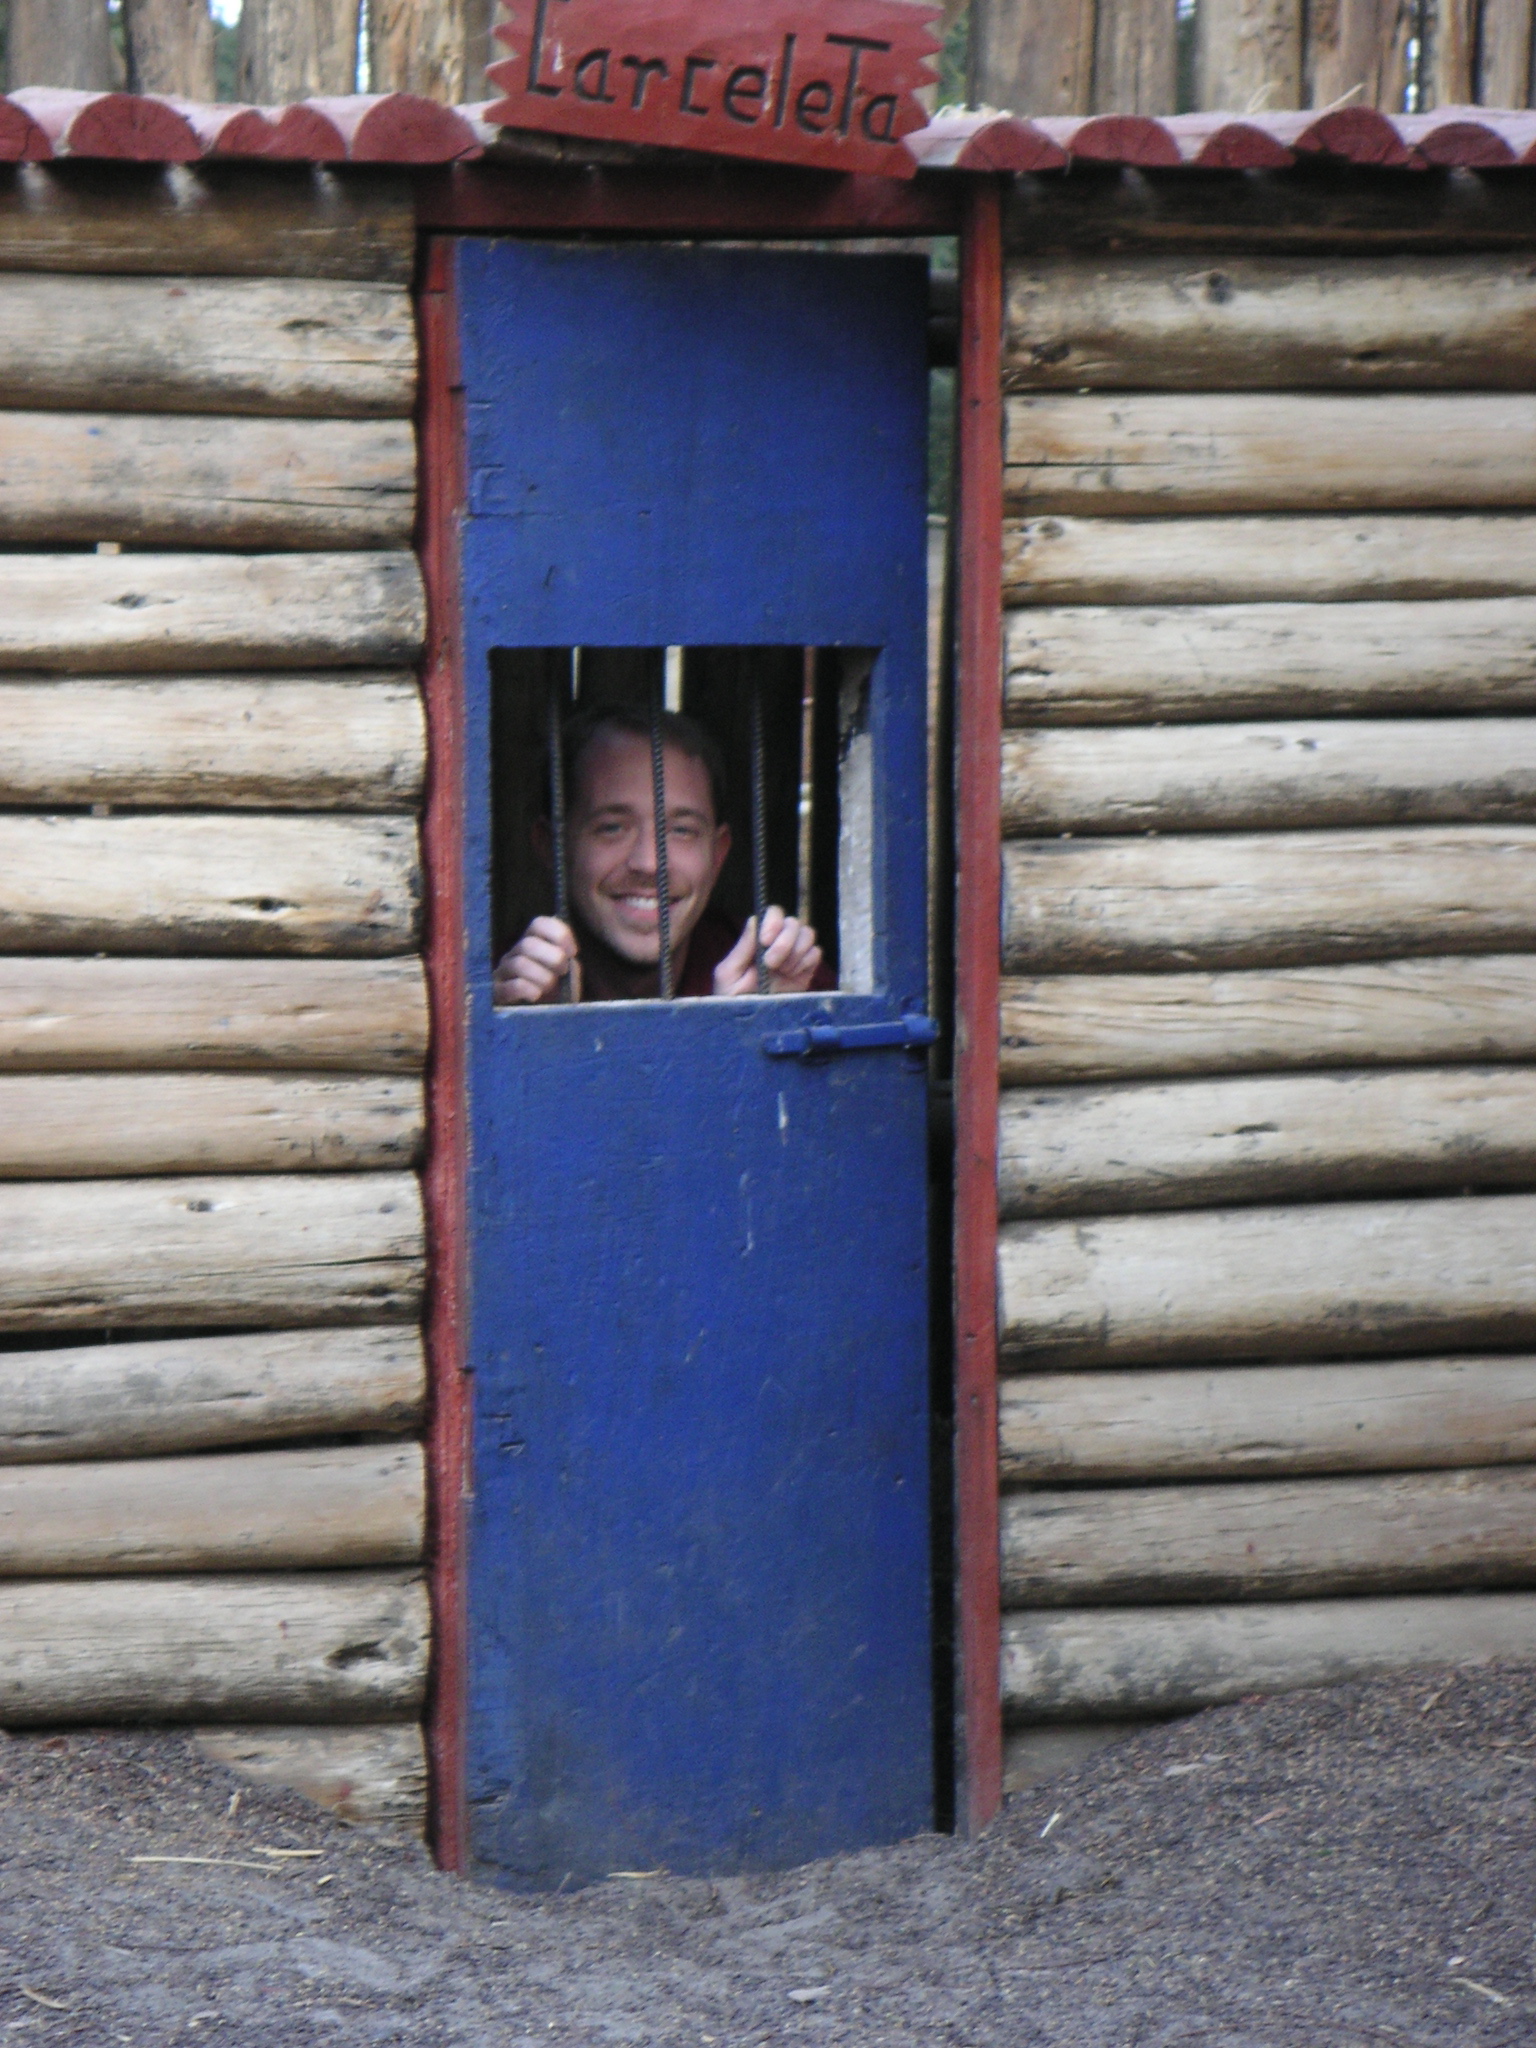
642	853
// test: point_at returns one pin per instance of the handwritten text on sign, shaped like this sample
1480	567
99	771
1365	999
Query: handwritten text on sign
791	80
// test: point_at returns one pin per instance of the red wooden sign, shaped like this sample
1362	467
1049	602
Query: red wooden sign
791	80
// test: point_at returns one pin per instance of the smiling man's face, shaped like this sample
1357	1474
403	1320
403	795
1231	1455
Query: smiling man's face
612	844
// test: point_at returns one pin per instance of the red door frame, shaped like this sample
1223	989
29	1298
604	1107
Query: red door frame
718	200
978	967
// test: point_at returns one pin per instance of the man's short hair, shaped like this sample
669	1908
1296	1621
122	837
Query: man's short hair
677	730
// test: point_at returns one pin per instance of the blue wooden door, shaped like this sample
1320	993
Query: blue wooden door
699	1540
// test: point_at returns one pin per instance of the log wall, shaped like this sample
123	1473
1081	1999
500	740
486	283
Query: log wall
213	1015
1268	1127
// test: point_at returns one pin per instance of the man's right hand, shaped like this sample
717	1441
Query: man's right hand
534	969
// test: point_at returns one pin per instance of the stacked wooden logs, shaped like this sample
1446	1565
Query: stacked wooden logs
212	1010
1268	1143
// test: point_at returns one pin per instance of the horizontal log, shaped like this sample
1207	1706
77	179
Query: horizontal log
1329	1279
1329	212
359	1015
96	1126
1107	1663
369	1777
58	1013
169	1394
1277	1539
1263	1138
258	1646
1271	452
188	480
1222	778
1036	1756
283	346
1236	1422
1084	1027
272	1510
219	221
177	613
212	882
1269	323
1266	899
238	1251
1109	665
303	743
1364	555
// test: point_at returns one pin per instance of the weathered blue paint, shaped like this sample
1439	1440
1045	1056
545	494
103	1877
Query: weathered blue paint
699	1542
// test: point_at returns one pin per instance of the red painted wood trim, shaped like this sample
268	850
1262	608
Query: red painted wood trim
442	497
693	197
978	967
398	128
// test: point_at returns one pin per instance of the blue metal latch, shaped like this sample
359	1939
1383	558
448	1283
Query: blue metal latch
911	1030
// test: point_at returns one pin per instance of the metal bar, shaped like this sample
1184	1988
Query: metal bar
759	834
807	818
659	822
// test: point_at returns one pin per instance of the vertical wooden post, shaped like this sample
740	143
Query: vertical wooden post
441	500
61	42
419	46
1136	57
1504	54
978	965
1032	56
1448	73
289	49
1247	47
170	48
1358	43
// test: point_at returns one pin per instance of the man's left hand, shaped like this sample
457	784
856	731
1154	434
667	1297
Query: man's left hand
790	953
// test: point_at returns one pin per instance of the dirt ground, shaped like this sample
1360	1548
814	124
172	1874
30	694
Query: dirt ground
1348	1867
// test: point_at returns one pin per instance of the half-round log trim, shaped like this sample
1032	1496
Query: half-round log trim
1469	145
985	142
22	140
399	128
301	132
226	130
1472	138
131	127
1219	142
1133	139
1360	135
1112	1661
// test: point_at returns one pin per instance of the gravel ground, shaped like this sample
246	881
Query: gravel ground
1345	1867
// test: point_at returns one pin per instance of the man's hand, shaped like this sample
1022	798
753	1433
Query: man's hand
534	969
790	953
